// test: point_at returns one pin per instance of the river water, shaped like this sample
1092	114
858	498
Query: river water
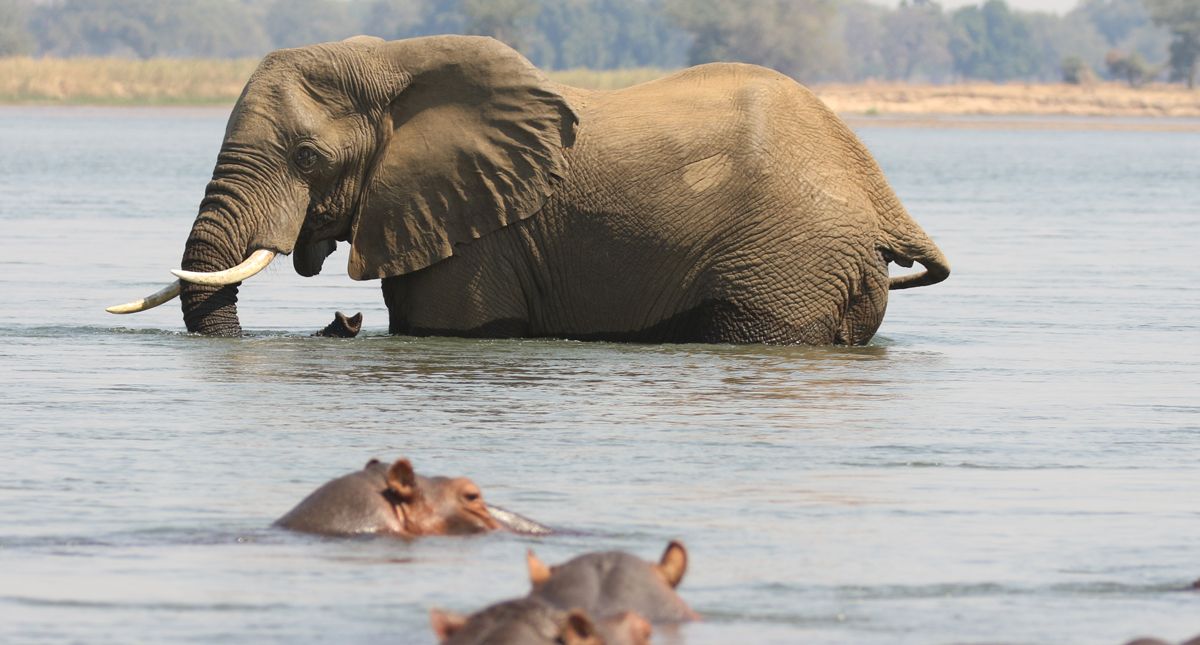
1012	459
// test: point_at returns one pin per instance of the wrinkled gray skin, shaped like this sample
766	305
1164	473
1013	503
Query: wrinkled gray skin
529	621
610	584
370	501
724	203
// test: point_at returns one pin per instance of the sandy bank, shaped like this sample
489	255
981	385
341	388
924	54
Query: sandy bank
101	81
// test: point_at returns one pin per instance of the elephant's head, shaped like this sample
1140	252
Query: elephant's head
405	149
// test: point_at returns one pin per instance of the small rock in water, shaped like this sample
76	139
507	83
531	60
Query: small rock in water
343	326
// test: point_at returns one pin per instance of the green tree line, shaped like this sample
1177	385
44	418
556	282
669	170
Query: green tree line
812	40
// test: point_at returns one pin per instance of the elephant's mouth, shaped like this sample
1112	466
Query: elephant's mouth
309	257
317	240
325	226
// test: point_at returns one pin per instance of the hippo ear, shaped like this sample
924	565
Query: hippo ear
539	573
445	624
628	627
673	563
578	628
402	480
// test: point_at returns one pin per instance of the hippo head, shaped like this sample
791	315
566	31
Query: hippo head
530	621
612	583
392	499
436	505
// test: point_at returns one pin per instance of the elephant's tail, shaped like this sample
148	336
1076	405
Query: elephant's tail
906	243
936	269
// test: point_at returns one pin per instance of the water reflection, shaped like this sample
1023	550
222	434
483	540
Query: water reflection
1018	441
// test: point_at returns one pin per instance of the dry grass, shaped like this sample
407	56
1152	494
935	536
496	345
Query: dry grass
1102	99
186	81
613	79
182	81
120	81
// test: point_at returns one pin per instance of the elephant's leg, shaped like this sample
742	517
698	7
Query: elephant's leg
825	291
395	299
866	303
461	296
727	320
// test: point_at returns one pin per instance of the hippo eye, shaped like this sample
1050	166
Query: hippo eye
305	158
471	496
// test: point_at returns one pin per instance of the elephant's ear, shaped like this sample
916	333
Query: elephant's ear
472	141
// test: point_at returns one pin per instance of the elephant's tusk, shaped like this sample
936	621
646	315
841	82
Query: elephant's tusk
250	266
149	302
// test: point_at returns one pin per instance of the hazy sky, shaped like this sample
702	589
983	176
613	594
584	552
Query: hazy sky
1056	6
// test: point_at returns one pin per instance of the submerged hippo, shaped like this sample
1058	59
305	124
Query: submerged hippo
531	621
1155	641
613	583
395	500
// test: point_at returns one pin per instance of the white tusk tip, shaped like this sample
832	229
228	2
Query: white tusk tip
149	302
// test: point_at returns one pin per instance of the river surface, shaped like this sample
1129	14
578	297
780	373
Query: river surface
1012	459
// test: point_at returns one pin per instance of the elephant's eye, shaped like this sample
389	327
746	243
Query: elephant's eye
305	158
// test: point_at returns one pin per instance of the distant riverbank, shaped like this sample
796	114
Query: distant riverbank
1016	99
105	81
113	81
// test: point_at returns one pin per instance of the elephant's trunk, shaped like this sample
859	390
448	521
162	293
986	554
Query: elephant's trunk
213	245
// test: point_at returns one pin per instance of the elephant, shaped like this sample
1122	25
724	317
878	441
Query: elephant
612	583
723	203
394	500
530	621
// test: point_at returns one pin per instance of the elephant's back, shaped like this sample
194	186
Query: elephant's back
699	110
701	86
729	141
714	123
723	132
